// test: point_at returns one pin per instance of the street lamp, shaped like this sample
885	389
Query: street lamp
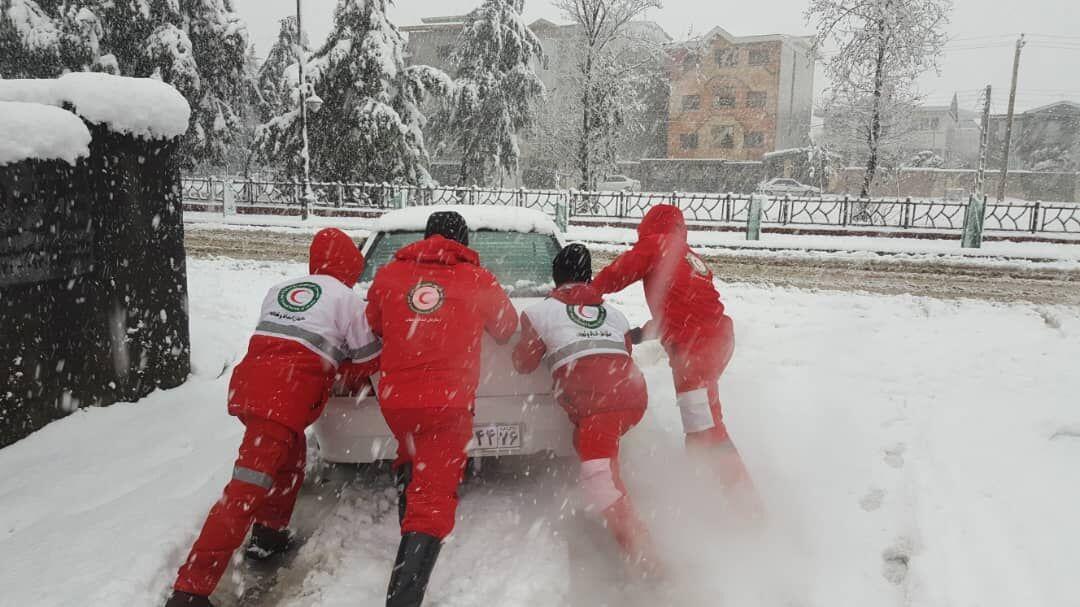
309	101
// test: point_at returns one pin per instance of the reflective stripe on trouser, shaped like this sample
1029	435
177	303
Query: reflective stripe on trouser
268	452
599	484
697	414
434	442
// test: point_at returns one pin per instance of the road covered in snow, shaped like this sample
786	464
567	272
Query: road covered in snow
911	451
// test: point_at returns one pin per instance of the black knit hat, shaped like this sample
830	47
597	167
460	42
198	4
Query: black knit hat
572	264
448	224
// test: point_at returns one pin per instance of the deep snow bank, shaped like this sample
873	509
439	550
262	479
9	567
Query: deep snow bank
911	451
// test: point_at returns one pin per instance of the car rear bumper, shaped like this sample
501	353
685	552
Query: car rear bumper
356	433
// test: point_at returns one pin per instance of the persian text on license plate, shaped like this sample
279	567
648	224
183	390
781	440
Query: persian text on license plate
496	437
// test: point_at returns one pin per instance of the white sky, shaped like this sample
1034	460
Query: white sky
983	33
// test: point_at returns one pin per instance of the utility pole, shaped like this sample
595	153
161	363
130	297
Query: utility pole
1009	120
306	195
984	140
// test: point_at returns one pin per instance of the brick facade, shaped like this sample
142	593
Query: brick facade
739	98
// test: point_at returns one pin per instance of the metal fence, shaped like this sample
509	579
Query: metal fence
824	211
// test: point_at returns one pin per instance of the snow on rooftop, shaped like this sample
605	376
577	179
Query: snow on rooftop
32	131
142	107
478	217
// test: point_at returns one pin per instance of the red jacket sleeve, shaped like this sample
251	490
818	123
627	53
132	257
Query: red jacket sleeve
374	307
501	321
530	350
353	376
627	268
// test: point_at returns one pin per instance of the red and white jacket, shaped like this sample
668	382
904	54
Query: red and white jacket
685	305
584	342
310	330
431	306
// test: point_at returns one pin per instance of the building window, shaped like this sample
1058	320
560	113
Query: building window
723	137
444	51
690	61
545	62
755	99
753	140
688	141
691	102
725	97
758	57
727	57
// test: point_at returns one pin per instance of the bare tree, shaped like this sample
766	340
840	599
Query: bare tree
603	82
882	46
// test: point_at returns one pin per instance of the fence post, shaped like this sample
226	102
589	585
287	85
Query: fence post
973	223
521	196
753	219
907	215
340	194
1035	217
845	211
228	204
562	213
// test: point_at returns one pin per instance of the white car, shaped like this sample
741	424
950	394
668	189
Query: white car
618	183
781	186
515	414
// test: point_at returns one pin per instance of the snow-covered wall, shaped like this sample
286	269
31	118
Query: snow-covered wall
141	107
31	131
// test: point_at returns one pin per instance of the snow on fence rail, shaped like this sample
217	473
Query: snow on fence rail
824	211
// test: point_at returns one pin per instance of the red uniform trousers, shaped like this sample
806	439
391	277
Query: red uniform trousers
266	480
696	368
433	440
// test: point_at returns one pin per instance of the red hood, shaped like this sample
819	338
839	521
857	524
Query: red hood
333	253
663	220
578	293
437	249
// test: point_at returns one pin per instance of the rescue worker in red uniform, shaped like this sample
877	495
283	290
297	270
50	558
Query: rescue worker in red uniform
311	331
689	319
585	343
431	306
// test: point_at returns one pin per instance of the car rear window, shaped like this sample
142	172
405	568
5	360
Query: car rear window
521	262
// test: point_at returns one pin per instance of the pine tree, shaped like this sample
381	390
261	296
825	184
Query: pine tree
495	91
272	83
370	126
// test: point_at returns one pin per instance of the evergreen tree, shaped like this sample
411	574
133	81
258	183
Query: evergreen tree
198	46
495	91
272	83
370	126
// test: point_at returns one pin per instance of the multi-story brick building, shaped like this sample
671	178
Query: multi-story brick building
738	98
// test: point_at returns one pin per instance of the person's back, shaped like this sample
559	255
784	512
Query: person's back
432	304
679	287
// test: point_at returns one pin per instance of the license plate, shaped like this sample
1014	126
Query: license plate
496	437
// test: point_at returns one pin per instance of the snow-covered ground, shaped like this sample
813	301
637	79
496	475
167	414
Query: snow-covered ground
910	451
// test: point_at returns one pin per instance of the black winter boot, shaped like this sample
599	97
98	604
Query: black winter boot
416	558
183	599
402	478
267	542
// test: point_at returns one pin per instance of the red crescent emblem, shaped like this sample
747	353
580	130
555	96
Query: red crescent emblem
293	297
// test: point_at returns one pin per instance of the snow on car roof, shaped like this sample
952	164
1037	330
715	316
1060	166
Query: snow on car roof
142	107
40	132
478	217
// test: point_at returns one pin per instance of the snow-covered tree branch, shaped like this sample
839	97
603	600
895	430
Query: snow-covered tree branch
881	48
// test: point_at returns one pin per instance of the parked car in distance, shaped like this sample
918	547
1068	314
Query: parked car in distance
515	414
618	183
783	186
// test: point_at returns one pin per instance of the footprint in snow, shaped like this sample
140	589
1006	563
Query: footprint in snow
894	455
895	561
872	500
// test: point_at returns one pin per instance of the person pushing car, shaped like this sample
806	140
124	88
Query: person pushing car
311	331
691	323
585	343
431	305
